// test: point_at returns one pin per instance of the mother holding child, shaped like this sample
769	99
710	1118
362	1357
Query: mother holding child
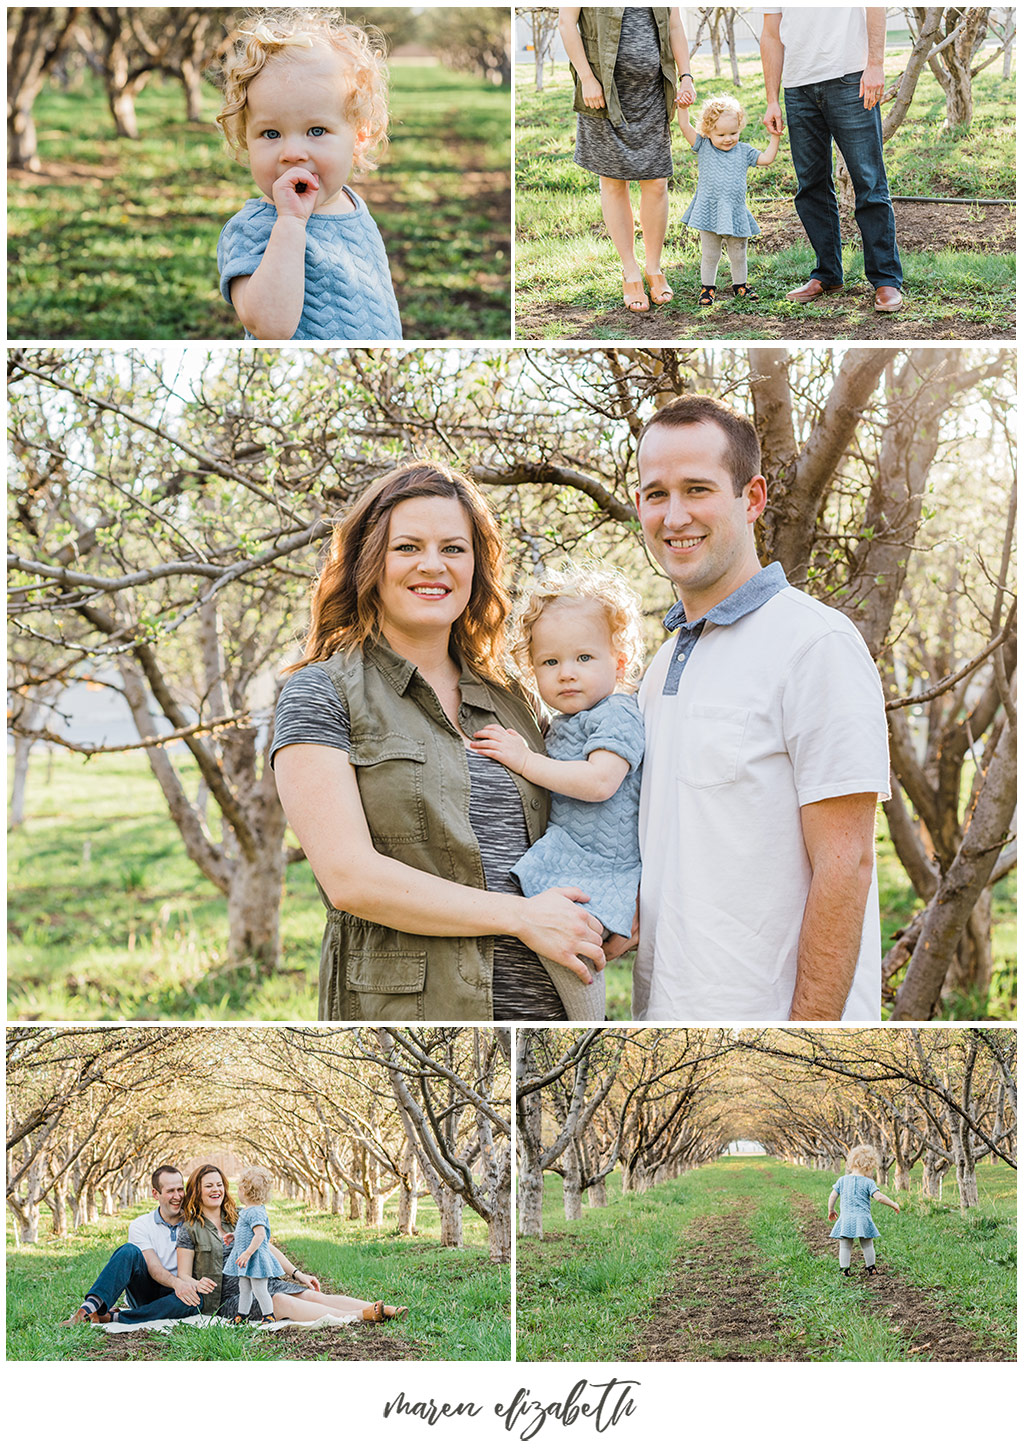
412	767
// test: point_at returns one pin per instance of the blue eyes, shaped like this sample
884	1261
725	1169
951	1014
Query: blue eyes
273	135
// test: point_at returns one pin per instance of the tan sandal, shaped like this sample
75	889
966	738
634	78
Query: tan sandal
659	286
395	1311
634	297
374	1313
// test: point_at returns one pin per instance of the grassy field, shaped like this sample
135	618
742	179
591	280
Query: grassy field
459	1301
117	239
109	919
959	261
745	1235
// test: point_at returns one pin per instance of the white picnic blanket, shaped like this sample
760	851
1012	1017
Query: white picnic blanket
201	1321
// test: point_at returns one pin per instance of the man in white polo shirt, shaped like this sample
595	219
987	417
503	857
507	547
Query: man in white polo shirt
766	755
145	1269
831	61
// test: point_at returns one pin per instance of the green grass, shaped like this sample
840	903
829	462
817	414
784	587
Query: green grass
108	918
577	1293
567	267
118	239
458	1300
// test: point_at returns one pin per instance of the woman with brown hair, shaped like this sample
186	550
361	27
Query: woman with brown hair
410	834
205	1235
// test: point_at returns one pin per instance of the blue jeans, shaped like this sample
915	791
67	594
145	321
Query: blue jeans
125	1272
816	116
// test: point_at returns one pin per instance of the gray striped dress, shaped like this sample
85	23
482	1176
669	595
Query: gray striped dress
641	148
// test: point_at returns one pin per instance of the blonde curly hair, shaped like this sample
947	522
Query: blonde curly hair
863	1160
281	32
587	585
255	1185
715	107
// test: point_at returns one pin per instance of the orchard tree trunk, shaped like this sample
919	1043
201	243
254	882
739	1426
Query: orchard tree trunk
192	84
499	1234
36	36
572	1193
597	1193
947	916
932	1169
19	779
254	908
408	1198
450	1207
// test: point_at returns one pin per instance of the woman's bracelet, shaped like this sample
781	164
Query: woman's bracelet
683	75
295	1273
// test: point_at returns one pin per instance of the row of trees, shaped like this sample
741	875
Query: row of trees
347	1121
128	45
949	39
165	518
656	1104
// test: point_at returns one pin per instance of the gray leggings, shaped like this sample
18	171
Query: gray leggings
867	1248
248	1287
711	245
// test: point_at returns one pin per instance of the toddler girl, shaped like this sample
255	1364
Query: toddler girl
306	104
719	208
250	1258
578	637
855	1191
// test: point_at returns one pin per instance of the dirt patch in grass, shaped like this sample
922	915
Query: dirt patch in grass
815	321
713	1307
921	227
930	1331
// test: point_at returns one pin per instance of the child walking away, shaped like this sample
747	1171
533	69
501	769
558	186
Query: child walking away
854	1192
719	207
578	637
305	102
250	1258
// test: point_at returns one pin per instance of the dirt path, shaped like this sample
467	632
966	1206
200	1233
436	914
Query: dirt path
713	1309
928	1330
717	1304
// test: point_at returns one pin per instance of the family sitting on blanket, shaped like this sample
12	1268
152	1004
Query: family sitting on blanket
179	1261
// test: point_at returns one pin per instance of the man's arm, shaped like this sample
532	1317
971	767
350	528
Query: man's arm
187	1290
872	81
772	52
839	836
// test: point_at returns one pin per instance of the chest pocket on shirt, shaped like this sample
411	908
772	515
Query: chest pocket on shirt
390	775
712	741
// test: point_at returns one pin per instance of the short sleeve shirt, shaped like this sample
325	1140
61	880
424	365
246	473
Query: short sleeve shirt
822	42
779	708
149	1231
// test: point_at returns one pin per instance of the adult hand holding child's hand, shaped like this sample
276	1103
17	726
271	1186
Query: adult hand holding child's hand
295	193
773	119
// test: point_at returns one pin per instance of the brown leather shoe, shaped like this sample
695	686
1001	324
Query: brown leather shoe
812	289
888	300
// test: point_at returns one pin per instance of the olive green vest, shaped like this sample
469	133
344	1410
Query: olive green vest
600	26
413	778
208	1261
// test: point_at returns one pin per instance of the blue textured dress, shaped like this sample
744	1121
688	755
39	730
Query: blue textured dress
854	1221
720	203
349	294
595	846
263	1264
